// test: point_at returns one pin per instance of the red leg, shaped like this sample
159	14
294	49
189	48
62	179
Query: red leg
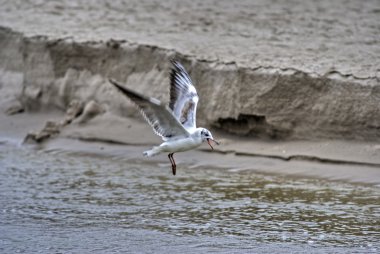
174	166
174	169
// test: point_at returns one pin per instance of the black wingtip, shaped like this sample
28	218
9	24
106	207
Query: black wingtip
177	69
129	93
120	87
176	64
174	61
115	83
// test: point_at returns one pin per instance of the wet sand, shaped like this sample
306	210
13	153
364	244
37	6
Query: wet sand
333	160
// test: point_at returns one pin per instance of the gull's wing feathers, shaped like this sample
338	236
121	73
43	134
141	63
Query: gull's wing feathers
157	115
183	97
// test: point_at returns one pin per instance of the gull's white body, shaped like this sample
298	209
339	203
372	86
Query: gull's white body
176	145
174	123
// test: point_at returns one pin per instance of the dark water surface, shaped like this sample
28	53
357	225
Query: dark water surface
57	202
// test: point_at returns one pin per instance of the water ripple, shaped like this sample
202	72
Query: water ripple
77	192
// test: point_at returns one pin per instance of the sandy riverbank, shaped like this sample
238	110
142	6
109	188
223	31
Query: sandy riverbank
288	70
288	88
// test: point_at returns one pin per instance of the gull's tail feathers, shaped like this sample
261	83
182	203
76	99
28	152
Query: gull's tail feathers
152	152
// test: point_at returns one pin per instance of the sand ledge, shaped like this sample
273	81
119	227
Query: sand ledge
279	103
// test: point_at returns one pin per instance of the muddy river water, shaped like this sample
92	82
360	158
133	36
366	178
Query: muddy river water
60	202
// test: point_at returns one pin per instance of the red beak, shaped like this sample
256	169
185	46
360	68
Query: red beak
208	141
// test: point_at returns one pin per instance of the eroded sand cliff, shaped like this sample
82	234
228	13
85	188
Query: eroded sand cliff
241	100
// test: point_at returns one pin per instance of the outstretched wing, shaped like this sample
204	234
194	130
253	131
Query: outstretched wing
157	115
183	97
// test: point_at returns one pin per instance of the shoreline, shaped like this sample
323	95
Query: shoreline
224	156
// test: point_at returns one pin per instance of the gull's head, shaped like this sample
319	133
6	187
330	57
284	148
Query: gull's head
207	136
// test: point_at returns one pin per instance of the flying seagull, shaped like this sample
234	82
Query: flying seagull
175	123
